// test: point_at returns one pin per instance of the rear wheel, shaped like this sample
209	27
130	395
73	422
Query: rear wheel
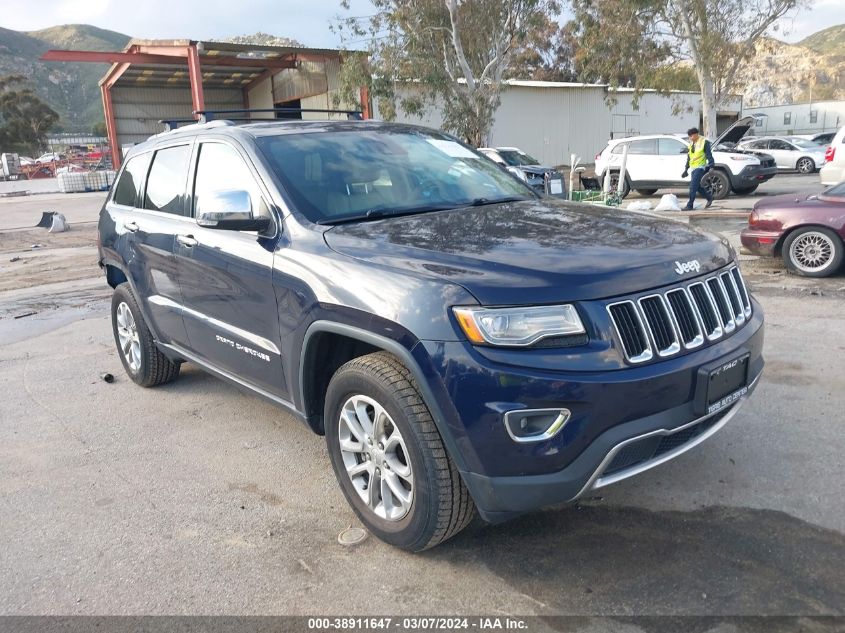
389	457
141	359
744	191
614	184
805	165
813	252
717	183
646	192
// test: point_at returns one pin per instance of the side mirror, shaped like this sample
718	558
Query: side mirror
229	210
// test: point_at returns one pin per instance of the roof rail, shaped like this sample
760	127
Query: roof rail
209	115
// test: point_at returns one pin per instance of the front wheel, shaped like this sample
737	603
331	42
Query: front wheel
813	252
389	458
614	184
805	165
717	183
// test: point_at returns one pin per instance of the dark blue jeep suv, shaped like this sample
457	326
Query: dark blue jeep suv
463	343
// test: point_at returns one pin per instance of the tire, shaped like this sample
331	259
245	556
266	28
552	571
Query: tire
813	252
141	359
805	165
436	503
646	192
614	182
744	191
717	183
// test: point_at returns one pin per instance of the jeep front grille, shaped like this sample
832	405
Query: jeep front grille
663	324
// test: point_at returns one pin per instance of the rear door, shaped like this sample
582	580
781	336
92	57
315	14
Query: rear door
642	159
226	277
147	233
783	153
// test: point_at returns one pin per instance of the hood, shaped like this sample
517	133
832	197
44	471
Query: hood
735	132
540	170
536	251
805	198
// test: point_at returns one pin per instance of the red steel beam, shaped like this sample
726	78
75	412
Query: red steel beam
111	126
195	74
365	102
151	59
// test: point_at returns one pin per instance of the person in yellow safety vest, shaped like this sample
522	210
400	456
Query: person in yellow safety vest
700	160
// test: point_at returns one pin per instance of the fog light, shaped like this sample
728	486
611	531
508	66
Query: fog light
535	425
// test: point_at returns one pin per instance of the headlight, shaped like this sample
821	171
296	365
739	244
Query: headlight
518	326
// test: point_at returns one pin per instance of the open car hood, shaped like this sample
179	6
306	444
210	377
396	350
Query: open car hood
735	132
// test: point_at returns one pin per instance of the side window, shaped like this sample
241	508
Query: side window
646	146
670	147
166	183
780	145
618	148
760	145
221	168
129	184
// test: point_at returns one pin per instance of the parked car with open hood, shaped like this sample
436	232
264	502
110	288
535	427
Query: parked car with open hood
525	167
656	161
807	230
464	343
789	152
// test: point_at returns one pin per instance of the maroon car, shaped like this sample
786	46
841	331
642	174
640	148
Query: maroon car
807	230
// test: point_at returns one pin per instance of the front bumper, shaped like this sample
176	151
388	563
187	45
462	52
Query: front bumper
616	414
761	243
752	175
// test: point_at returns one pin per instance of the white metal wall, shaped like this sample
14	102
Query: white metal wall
138	110
552	120
829	117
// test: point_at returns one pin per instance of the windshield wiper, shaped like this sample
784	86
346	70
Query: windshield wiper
480	202
380	214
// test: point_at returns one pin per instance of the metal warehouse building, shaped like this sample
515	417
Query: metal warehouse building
552	120
154	80
798	118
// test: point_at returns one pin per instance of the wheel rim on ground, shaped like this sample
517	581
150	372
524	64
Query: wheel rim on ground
376	458
812	252
127	334
805	165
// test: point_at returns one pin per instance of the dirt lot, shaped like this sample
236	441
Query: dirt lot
196	498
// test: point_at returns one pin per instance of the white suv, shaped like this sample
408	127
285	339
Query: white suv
656	161
833	171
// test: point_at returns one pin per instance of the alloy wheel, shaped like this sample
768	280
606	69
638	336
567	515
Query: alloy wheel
127	334
376	458
812	252
806	166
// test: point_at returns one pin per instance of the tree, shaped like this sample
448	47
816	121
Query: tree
548	54
99	129
453	54
640	37
25	119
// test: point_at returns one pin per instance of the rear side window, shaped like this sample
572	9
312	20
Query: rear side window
129	184
648	146
166	183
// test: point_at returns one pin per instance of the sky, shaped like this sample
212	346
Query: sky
304	20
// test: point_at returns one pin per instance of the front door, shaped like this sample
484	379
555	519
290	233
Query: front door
230	307
671	158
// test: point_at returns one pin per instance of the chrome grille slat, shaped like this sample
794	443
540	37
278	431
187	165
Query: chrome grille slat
683	317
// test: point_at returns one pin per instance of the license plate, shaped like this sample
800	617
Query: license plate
721	384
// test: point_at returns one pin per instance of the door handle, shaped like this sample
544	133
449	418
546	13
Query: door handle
187	240
130	226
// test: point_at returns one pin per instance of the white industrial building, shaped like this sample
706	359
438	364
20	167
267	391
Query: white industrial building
798	118
552	120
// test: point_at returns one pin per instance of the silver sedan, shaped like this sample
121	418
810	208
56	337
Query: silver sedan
789	152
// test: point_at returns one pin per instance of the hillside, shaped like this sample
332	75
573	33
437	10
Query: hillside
70	88
830	40
813	69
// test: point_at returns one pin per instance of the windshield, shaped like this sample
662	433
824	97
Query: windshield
836	191
336	176
803	143
515	157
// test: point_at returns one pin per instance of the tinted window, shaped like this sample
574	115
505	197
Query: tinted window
648	146
780	145
221	168
759	145
166	183
836	190
126	190
516	158
667	146
350	173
